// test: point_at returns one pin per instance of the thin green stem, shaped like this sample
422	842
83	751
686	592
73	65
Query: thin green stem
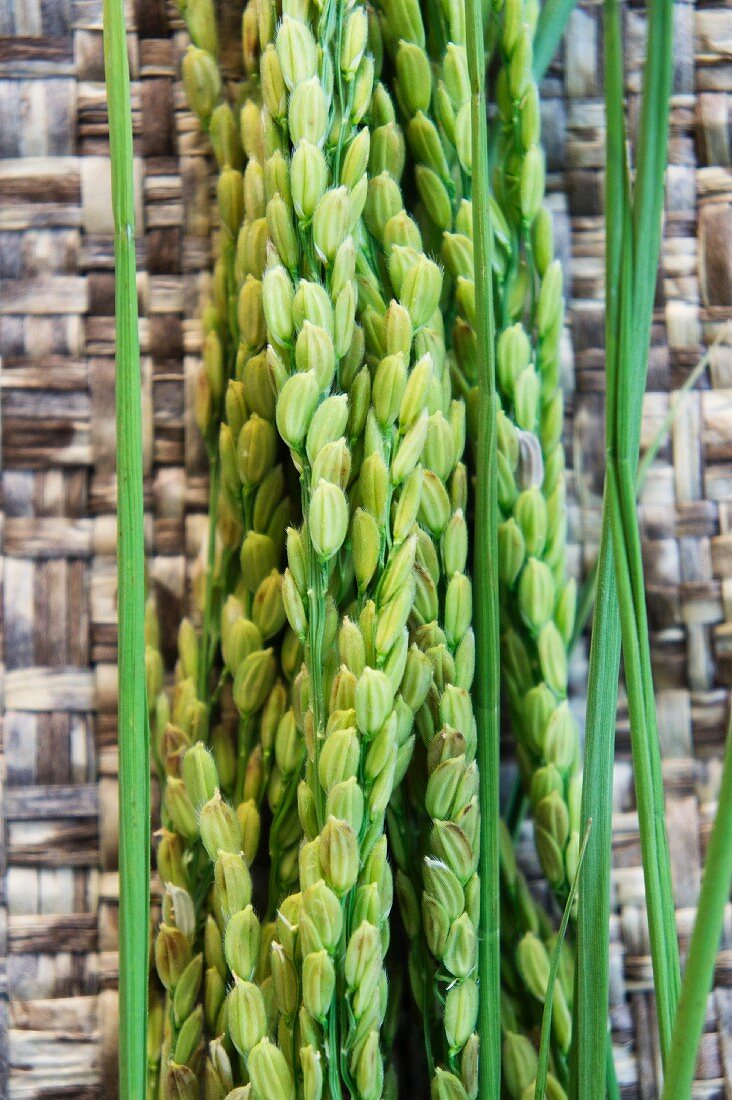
487	679
546	1018
317	584
587	591
584	606
636	245
663	429
699	972
646	767
633	229
134	737
648	198
589	1035
316	594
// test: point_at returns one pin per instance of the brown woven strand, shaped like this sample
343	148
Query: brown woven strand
58	835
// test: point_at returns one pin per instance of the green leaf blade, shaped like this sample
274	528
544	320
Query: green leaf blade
134	749
705	938
552	24
592	980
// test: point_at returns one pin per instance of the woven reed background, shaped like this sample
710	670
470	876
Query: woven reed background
58	823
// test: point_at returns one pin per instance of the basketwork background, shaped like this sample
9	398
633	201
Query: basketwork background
58	817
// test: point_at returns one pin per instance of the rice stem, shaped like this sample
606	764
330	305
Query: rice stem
134	750
633	233
589	1032
487	630
699	971
546	1019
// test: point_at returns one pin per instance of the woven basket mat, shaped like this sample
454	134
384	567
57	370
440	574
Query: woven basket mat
58	833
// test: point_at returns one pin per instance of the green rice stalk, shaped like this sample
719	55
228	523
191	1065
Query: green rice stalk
677	402
411	416
704	944
538	606
487	626
537	600
444	188
384	496
369	728
314	349
549	732
626	385
249	513
158	714
134	753
457	252
586	595
441	628
593	916
633	242
591	999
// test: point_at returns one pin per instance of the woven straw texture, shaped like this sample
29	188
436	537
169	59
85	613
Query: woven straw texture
58	818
